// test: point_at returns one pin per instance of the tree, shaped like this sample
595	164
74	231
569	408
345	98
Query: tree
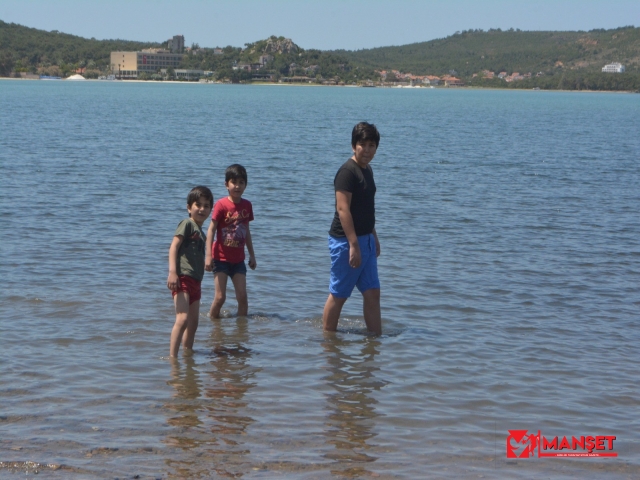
6	64
66	69
224	73
239	76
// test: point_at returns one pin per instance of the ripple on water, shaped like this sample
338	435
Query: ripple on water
509	284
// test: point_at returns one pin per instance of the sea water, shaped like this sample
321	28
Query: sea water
510	272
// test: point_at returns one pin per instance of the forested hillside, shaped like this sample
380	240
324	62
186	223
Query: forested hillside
27	49
472	51
285	59
566	60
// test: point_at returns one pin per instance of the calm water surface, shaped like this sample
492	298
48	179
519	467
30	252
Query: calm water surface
510	275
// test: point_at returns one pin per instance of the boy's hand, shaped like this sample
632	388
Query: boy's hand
172	281
355	257
252	263
377	247
208	263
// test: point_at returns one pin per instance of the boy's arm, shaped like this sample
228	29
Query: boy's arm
252	258
172	280
343	207
375	235
208	258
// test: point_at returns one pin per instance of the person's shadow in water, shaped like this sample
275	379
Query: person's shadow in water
207	406
185	379
350	424
184	412
233	376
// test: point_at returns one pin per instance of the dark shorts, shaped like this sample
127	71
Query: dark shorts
229	269
191	286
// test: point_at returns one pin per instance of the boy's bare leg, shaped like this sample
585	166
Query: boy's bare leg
240	286
220	283
193	318
181	301
371	310
331	313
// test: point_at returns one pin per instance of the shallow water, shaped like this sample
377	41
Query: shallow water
510	269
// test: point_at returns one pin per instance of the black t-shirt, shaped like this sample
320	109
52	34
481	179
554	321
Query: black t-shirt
359	182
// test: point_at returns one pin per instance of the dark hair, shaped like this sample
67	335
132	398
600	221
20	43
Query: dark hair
197	193
234	172
363	132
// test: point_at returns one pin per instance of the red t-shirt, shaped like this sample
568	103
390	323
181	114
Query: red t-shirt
231	234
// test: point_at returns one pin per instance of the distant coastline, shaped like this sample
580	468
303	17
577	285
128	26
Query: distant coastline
510	59
302	85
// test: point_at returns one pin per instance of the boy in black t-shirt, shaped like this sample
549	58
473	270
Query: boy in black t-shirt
353	242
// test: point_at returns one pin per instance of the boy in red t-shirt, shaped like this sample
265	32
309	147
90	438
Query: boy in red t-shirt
230	222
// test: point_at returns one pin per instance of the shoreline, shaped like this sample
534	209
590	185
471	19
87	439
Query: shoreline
278	84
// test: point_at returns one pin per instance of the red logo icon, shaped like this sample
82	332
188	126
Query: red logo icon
521	445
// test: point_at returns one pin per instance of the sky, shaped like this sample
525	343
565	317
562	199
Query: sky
321	24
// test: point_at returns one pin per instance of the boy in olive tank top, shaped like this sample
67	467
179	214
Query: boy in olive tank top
186	268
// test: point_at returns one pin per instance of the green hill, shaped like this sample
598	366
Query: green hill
286	59
563	60
472	51
567	60
26	49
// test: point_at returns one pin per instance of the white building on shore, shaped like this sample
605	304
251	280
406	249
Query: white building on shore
613	68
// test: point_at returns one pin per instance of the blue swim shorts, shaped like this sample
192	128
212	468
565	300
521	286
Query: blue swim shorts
229	268
343	276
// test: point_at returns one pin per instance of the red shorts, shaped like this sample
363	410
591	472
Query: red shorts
191	286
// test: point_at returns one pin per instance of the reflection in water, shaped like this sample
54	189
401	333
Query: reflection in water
187	432
211	425
351	413
187	385
232	375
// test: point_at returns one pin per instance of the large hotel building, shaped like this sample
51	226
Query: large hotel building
131	64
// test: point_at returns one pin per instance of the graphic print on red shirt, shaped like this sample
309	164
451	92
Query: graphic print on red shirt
231	233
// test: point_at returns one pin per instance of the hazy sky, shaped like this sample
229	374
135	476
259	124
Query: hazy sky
323	24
